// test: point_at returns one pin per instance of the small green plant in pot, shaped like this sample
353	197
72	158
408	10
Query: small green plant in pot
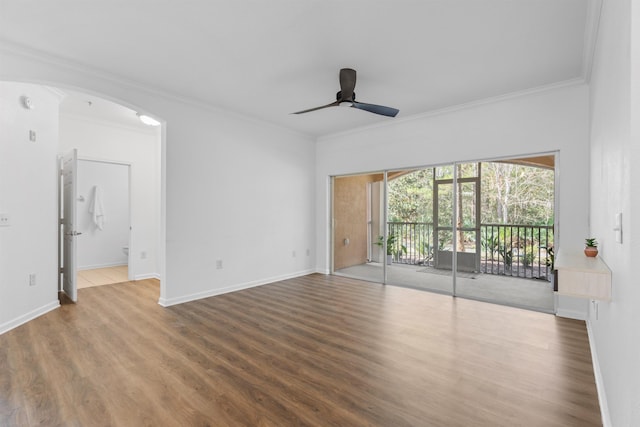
393	249
591	247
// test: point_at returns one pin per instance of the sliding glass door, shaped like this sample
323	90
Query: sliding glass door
480	230
466	225
419	225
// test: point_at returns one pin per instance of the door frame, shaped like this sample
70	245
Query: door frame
61	200
385	171
455	184
130	167
67	264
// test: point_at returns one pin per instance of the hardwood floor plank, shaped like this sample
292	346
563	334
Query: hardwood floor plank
311	351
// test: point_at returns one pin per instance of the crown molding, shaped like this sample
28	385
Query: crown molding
592	25
460	107
56	92
19	50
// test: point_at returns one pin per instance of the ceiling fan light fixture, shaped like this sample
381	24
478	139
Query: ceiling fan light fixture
149	121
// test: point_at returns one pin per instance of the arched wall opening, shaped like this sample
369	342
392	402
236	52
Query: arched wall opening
28	193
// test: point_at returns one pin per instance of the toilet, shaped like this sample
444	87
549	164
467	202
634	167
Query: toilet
125	250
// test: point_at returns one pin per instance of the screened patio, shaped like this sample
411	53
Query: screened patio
508	263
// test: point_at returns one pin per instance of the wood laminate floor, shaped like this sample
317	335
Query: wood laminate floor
314	351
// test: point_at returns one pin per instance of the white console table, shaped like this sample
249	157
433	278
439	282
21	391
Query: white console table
581	276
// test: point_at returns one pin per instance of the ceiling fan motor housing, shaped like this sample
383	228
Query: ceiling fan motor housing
347	78
339	96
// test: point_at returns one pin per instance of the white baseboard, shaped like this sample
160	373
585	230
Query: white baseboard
147	276
167	302
602	396
21	320
571	314
107	265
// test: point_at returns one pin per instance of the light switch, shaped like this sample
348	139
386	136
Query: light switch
618	227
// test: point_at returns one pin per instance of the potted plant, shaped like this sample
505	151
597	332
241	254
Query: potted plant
393	250
591	247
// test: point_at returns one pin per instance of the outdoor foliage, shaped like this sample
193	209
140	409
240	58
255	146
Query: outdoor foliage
516	208
514	194
411	197
511	194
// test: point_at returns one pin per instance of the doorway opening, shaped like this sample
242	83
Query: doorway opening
497	217
103	249
111	196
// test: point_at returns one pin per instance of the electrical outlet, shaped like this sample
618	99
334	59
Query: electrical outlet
143	255
293	254
32	135
32	279
219	264
308	252
5	221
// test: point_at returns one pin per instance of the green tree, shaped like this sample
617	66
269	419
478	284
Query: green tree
510	194
411	197
516	194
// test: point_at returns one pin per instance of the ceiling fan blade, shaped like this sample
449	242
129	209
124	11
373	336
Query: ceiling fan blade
377	109
333	104
347	83
348	96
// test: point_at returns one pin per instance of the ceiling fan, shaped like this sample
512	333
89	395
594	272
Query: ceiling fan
348	96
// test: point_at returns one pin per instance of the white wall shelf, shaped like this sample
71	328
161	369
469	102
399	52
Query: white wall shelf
583	277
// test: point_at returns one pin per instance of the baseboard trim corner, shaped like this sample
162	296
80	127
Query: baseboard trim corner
571	314
21	320
147	276
168	302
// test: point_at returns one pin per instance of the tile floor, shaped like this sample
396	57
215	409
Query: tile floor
102	276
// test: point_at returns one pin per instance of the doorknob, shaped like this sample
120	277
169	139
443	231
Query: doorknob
73	233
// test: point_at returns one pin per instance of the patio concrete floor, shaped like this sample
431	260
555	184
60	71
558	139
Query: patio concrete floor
531	294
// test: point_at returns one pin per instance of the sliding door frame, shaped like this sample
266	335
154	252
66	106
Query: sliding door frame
454	180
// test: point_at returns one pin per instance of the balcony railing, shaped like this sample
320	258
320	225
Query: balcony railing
505	249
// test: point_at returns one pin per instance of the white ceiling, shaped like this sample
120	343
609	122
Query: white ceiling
266	59
90	106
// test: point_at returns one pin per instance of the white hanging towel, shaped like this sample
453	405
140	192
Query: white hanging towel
97	209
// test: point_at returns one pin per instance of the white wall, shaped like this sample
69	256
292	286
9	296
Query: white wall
98	139
615	188
103	247
28	195
237	190
552	120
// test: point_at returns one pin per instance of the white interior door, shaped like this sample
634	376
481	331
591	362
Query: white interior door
69	197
